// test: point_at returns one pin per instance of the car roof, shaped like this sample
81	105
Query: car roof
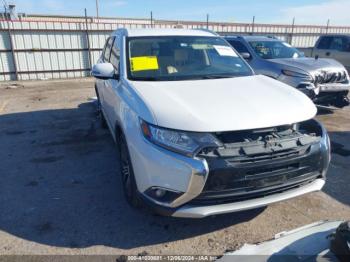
165	32
254	38
335	35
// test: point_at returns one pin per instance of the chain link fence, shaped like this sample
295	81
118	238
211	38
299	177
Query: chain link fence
46	47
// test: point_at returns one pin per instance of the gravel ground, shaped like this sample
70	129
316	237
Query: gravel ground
60	189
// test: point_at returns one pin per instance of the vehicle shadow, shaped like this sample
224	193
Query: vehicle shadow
60	186
324	111
338	175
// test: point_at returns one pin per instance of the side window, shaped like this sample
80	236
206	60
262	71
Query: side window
325	42
115	55
107	52
104	48
338	44
346	44
241	48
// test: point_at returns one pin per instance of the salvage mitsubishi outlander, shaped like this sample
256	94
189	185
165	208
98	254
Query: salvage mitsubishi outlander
198	132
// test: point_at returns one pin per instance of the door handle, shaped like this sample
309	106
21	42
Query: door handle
328	53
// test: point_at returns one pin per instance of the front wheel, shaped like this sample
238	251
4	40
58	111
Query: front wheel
127	175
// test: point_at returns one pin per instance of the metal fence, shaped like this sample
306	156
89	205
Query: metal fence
42	47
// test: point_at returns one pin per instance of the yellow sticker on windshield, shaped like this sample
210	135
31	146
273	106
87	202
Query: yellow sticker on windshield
142	63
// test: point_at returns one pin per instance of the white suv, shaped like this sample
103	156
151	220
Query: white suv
199	134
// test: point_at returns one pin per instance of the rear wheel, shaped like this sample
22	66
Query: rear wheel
127	174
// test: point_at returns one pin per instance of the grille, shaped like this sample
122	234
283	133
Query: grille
256	163
230	196
237	181
330	77
269	156
245	179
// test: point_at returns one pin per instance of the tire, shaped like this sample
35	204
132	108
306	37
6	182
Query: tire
342	100
127	175
99	111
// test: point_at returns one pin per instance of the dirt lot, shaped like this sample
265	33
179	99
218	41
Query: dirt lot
60	190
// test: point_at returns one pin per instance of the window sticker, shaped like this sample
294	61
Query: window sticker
143	63
225	50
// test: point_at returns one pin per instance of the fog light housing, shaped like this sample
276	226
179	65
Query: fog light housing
162	194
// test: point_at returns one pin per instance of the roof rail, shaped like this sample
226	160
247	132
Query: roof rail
272	36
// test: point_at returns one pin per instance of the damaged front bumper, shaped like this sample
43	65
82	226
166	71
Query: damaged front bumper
333	89
195	211
254	168
333	96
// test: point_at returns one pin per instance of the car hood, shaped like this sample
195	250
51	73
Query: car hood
310	64
224	104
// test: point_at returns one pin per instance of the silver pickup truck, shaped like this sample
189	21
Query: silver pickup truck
331	46
323	80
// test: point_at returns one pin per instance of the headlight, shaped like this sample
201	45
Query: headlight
295	74
186	143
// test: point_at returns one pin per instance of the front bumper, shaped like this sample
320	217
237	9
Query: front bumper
194	211
275	180
203	211
334	87
333	98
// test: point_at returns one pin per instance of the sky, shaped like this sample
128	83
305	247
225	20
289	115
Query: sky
265	11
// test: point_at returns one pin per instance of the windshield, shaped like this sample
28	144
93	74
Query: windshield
275	49
171	58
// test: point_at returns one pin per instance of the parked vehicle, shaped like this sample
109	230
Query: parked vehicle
331	46
325	81
198	133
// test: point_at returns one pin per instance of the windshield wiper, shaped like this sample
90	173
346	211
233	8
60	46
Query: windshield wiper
179	78
145	79
216	76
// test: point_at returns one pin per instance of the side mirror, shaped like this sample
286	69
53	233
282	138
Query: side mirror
246	56
103	71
